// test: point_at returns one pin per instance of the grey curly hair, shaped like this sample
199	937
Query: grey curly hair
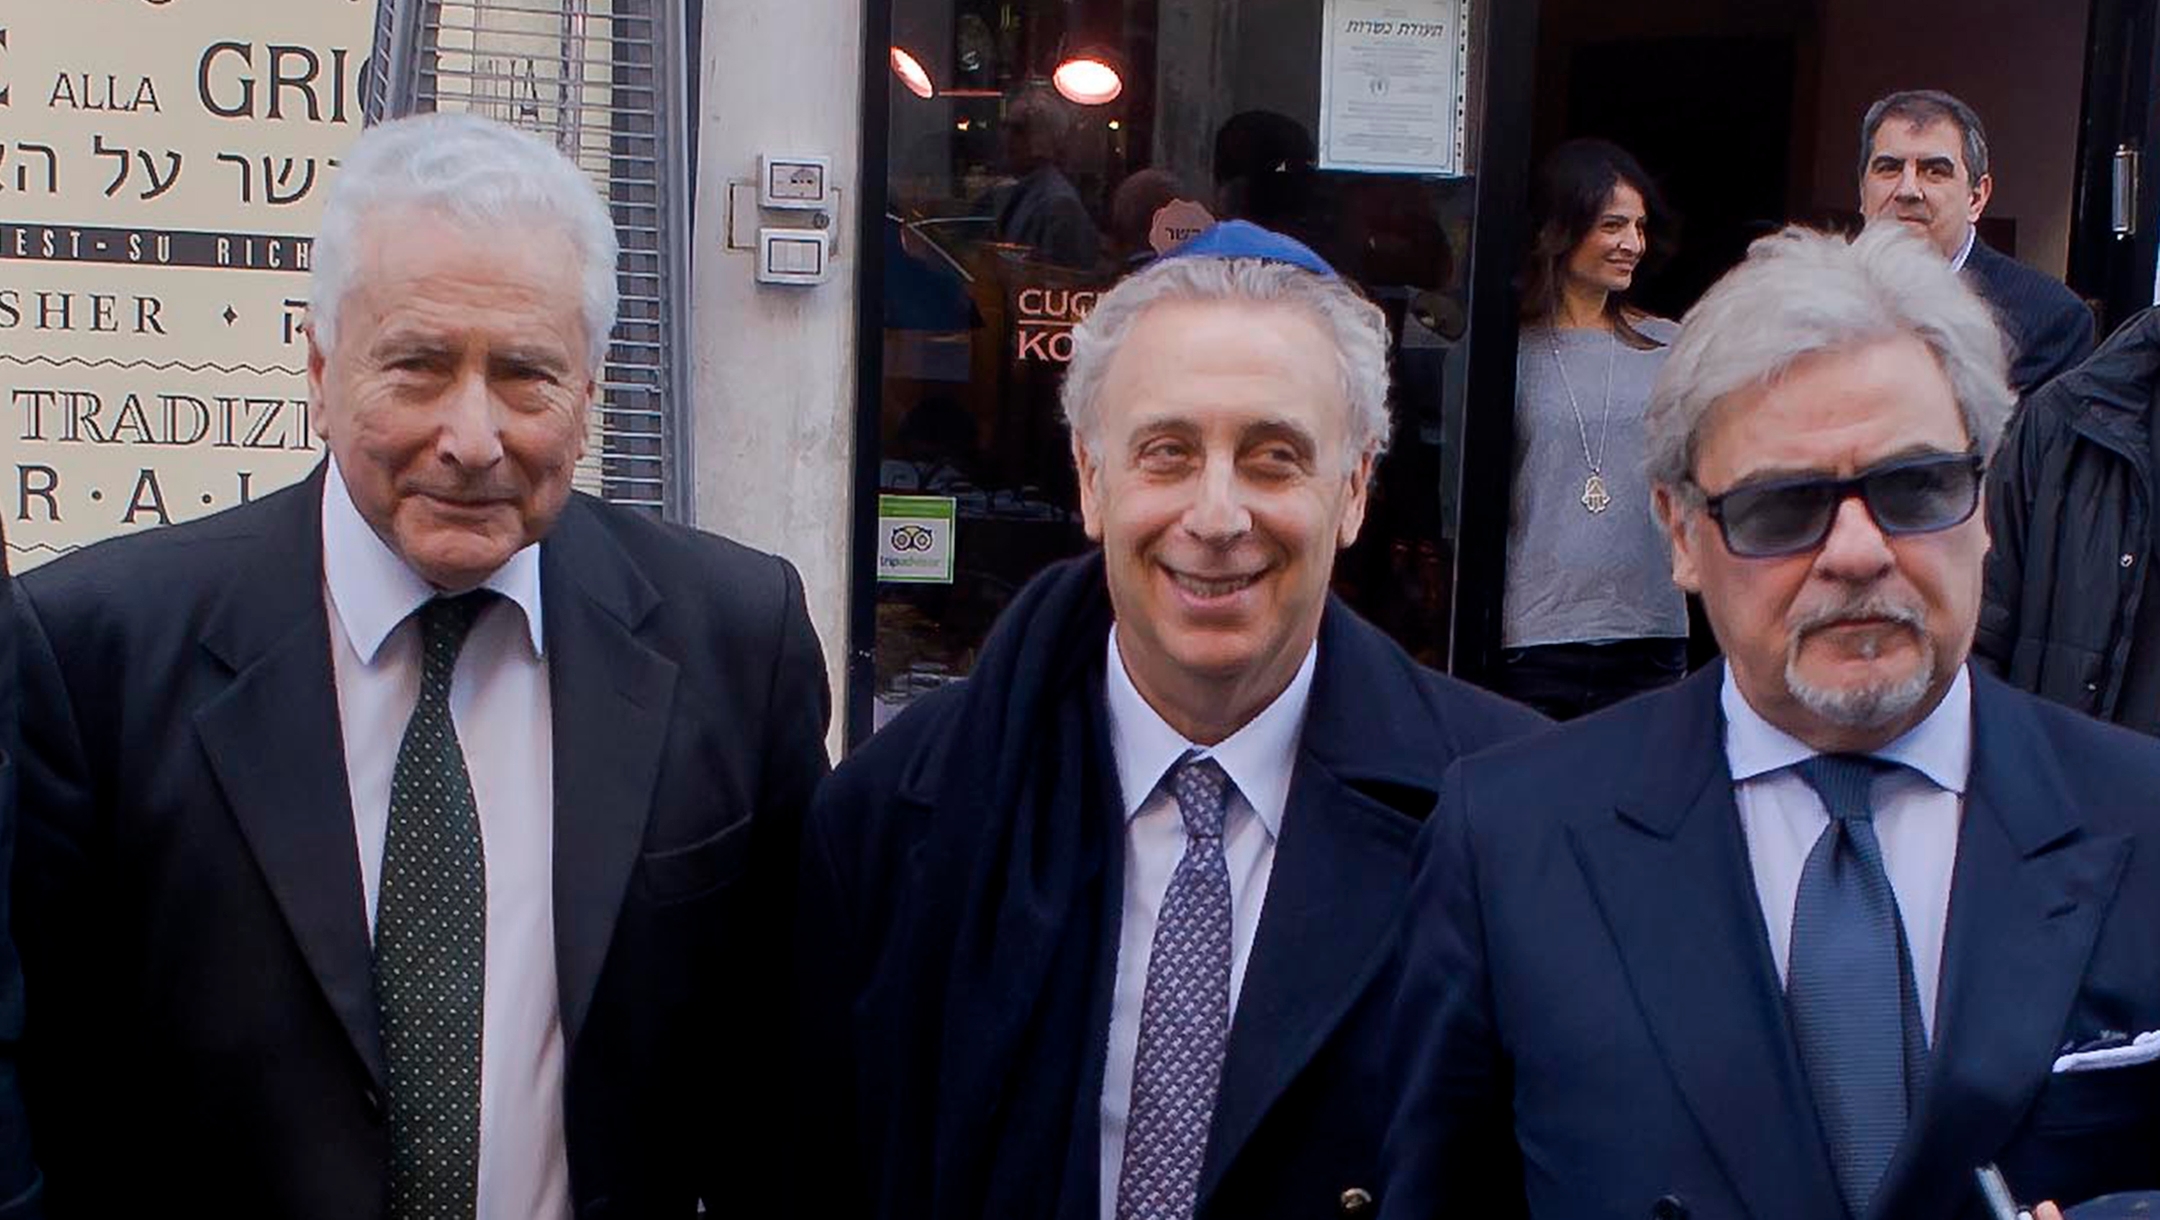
1357	325
1800	292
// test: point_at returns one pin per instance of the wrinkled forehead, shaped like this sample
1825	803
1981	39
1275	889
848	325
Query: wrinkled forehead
1220	351
1833	412
1908	139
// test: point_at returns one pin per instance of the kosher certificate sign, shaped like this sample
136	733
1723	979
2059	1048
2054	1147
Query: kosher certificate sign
1392	81
162	167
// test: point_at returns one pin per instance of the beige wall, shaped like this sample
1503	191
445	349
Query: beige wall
773	368
2019	63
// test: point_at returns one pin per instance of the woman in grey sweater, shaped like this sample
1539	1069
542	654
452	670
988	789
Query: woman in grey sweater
1589	614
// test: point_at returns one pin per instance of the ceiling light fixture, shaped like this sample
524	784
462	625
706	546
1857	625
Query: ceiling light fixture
910	71
1089	78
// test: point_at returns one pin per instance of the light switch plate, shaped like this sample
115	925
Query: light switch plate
792	256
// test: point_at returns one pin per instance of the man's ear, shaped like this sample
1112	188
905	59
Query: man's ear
1673	514
1982	191
586	424
1353	516
1087	469
317	361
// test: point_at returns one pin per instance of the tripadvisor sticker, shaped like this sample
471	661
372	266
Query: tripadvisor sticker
915	539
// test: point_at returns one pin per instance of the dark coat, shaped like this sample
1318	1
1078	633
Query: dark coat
203	1031
1592	1024
2070	513
2048	328
963	893
19	1189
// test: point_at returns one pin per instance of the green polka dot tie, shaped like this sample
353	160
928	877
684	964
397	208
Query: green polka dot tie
431	942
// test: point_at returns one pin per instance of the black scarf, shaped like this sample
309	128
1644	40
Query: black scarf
1005	934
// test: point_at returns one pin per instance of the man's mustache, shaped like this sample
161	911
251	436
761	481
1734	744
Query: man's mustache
1862	606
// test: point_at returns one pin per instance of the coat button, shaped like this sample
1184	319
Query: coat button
1671	1207
2128	559
1356	1201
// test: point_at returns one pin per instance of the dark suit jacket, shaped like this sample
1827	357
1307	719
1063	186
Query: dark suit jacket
204	1027
1593	1024
18	1177
2049	329
1305	1087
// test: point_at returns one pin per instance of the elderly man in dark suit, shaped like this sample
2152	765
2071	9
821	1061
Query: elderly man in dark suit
413	842
19	1187
1107	931
1924	163
1835	921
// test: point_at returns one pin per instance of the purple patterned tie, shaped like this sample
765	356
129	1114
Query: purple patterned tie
1185	1013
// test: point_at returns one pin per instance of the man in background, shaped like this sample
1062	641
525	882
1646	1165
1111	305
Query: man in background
2073	601
1924	164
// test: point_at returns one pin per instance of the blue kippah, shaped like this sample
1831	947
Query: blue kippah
1244	239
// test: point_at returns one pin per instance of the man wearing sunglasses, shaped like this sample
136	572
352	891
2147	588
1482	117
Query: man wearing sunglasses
1826	926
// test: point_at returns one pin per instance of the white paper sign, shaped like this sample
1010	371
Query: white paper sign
1392	82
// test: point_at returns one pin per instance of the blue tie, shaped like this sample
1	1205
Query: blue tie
1849	983
1184	1013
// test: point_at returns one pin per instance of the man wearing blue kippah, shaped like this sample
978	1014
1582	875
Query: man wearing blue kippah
1107	931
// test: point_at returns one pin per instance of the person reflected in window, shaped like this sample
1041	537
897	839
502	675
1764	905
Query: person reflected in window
1264	173
1041	209
1133	208
1589	612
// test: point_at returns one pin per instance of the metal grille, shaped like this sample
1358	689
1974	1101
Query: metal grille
603	79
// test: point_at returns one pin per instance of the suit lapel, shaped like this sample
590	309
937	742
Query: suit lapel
613	697
1333	901
1670	874
2028	894
273	742
1341	869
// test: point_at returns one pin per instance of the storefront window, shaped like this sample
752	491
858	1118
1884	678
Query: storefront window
1037	151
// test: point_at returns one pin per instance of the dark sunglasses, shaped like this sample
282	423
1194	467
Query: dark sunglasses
1787	516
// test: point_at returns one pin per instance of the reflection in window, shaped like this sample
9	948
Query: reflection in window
1011	207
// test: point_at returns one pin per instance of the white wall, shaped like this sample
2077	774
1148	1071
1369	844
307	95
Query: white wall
773	368
2019	63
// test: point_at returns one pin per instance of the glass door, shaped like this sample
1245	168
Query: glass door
1034	151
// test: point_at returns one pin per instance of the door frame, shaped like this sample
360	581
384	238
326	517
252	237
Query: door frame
2122	107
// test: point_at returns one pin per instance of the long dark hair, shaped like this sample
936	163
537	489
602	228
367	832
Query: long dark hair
1573	184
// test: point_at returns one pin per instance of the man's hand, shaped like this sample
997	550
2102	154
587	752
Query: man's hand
2047	1211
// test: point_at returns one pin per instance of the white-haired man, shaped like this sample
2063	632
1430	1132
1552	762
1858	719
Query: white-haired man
1830	924
407	843
1179	786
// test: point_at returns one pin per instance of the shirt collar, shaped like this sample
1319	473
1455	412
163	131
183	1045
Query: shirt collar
1939	747
1258	757
1965	251
374	590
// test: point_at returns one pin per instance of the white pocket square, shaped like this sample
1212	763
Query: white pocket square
2142	1049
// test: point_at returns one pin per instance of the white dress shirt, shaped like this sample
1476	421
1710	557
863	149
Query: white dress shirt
1258	758
1965	251
499	704
1918	809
